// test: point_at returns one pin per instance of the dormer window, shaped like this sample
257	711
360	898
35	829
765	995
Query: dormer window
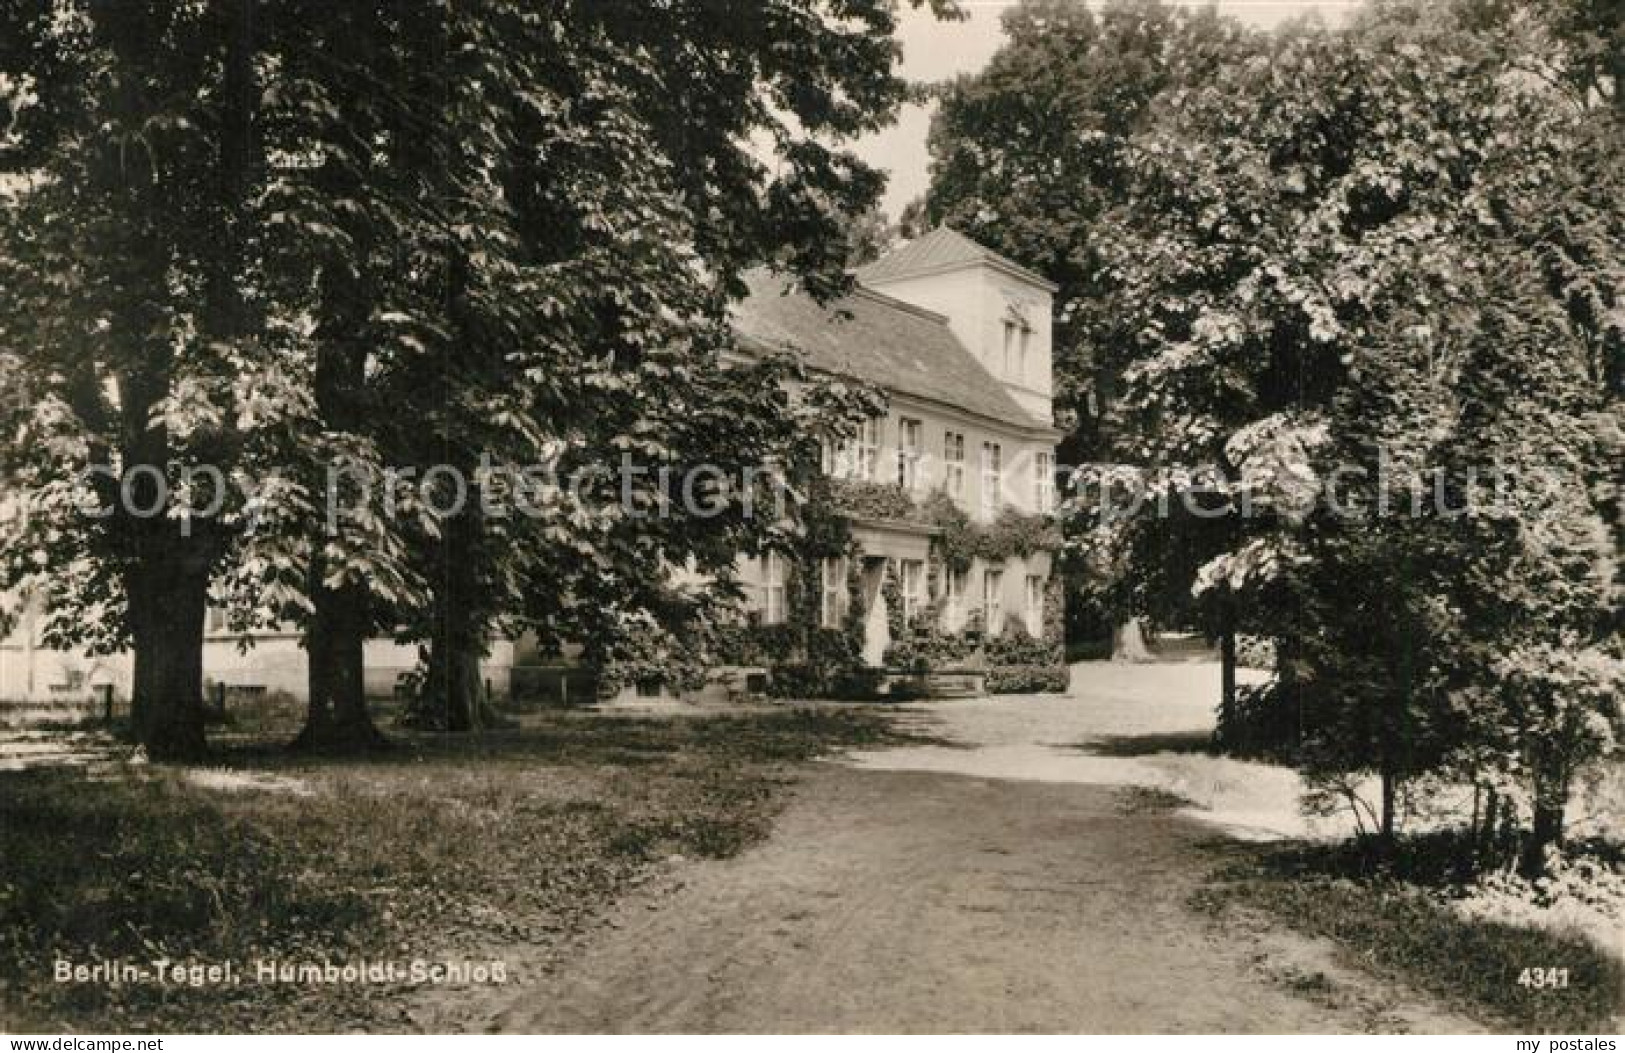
1018	335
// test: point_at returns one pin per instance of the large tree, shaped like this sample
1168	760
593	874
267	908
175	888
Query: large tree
630	200
1386	250
1031	156
1349	250
133	318
310	242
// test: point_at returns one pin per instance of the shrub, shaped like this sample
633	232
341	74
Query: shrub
795	680
649	654
1028	679
925	650
746	644
1020	663
1017	646
812	680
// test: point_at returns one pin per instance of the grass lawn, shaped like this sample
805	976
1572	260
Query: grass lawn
437	847
1390	927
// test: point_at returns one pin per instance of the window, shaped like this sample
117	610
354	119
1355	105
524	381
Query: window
869	449
1018	338
832	606
912	575
954	597
953	464
992	477
992	600
217	619
1035	604
1044	483
858	456
910	435
773	592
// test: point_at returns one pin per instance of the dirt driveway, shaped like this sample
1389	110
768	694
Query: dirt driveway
980	894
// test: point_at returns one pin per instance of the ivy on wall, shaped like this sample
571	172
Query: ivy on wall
807	659
866	499
816	661
826	527
1014	661
1013	534
1017	534
891	590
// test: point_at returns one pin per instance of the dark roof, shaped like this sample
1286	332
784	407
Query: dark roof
875	338
941	250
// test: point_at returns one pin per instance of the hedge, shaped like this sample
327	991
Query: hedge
1028	679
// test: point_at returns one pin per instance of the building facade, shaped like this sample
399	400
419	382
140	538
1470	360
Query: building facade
958	339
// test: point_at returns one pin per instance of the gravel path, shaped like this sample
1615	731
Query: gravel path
939	901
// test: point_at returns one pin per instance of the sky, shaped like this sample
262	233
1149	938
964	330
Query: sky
935	50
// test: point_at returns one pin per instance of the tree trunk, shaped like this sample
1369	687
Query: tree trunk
168	604
167	587
454	682
1486	833
1390	788
1546	832
140	677
454	698
461	618
456	645
1128	643
336	634
1227	656
336	640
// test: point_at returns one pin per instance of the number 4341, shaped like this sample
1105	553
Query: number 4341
1543	978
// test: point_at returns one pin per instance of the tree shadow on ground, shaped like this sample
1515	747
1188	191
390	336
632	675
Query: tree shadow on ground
586	737
1145	745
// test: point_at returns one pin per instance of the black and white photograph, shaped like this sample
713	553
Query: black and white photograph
812	517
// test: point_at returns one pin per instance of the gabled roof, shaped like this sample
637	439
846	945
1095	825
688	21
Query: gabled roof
944	249
875	338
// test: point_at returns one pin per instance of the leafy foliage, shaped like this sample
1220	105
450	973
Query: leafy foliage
1305	274
323	246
